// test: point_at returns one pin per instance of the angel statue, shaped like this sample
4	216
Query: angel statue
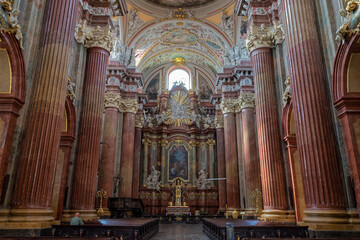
152	182
202	182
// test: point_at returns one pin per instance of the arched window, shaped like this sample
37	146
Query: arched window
179	76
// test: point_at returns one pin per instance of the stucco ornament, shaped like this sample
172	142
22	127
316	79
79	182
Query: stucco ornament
352	20
202	182
287	92
152	181
8	20
134	22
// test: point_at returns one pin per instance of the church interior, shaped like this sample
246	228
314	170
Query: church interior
239	116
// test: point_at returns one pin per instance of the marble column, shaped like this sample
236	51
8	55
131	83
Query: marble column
325	198
163	144
231	163
88	151
211	144
130	107
260	43
106	176
139	122
146	142
31	200
220	150
193	144
251	161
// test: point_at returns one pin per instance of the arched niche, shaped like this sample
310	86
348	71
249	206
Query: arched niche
346	94
12	97
289	137
68	131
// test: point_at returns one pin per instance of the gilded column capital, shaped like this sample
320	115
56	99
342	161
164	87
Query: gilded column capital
139	121
219	122
163	142
94	36
228	105
146	142
263	36
211	142
112	100
129	105
194	143
246	100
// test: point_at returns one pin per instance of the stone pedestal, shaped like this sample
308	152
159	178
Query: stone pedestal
87	161
31	201
320	163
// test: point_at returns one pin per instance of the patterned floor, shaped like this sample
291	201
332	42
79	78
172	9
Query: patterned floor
175	231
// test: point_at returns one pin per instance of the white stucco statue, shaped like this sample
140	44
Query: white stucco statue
153	182
202	182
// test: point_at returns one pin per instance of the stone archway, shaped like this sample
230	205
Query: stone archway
289	137
346	93
12	96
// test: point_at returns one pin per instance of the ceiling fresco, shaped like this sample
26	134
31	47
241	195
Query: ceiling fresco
195	41
181	3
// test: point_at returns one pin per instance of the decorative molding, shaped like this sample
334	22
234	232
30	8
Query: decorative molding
70	91
112	100
263	36
94	36
352	20
246	100
219	122
129	105
8	20
139	121
287	92
228	105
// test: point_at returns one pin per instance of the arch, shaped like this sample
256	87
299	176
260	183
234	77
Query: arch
63	162
182	68
12	96
346	93
289	137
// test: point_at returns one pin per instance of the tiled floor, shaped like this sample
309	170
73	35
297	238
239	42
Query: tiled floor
175	231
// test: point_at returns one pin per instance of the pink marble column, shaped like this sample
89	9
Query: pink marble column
106	177
130	108
87	161
220	150
251	161
31	201
231	163
139	121
321	167
271	159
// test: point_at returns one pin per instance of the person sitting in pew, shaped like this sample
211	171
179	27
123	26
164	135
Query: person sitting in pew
76	220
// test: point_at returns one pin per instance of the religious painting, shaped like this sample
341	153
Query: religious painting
179	37
153	87
204	89
178	163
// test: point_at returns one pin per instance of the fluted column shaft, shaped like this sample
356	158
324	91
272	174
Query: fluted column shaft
231	163
87	161
220	150
271	164
137	159
193	145
251	161
127	155
106	177
163	144
146	159
318	150
37	161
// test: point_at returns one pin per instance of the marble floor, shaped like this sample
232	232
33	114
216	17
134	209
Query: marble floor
175	231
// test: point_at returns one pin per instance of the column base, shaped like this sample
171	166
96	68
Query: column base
26	219
86	215
282	216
